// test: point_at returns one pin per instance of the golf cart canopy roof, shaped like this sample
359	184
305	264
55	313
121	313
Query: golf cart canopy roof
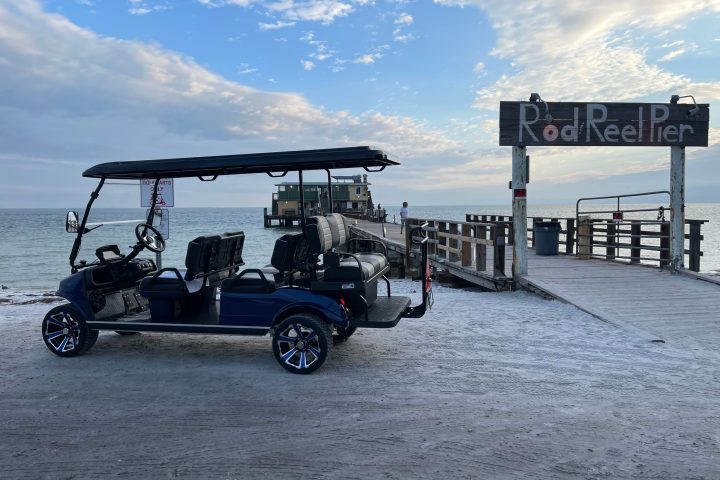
273	163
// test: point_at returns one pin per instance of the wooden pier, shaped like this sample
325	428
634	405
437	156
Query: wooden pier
646	299
285	221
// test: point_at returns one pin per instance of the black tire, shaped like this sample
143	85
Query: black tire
120	332
343	334
65	332
302	343
91	339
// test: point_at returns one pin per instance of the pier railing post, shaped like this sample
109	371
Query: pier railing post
498	236
635	241
665	254
453	244
466	257
695	238
481	248
610	250
442	239
569	235
584	237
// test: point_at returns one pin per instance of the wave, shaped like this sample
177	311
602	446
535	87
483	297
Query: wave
9	296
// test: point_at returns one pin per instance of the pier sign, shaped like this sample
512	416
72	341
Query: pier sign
165	192
604	124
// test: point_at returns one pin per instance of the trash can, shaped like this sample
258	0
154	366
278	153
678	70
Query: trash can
547	238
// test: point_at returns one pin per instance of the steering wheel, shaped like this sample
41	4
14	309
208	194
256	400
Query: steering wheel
149	237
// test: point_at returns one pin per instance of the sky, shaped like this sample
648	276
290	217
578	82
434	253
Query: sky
90	81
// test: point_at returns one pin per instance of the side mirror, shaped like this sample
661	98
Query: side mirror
71	222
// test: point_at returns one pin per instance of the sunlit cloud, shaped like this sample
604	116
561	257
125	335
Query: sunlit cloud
275	26
368	58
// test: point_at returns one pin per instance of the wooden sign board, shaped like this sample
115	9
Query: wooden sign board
604	124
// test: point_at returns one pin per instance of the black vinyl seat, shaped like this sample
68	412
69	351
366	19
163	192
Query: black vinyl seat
208	261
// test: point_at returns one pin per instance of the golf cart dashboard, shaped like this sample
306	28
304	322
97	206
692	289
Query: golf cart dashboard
115	273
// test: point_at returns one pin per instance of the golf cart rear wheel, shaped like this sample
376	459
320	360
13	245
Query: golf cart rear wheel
301	343
65	332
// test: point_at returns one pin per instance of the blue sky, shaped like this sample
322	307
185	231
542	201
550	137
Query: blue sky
87	81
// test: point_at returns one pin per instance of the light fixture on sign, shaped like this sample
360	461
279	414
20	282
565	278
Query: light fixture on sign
535	97
695	109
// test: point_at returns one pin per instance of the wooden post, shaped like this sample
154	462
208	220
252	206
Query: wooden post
610	250
677	203
569	236
466	257
519	210
480	248
665	255
695	252
496	232
635	241
453	243
584	250
432	235
442	228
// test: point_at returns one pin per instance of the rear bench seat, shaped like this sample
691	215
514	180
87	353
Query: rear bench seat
327	234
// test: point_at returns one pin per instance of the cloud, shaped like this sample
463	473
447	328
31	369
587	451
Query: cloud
246	69
143	7
368	58
671	55
551	47
479	68
323	11
307	64
275	26
404	19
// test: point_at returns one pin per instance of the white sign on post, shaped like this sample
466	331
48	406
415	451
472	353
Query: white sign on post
165	192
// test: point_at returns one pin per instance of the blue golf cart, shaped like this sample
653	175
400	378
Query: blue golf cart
320	286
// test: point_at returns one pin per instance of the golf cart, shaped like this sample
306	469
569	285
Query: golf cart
321	284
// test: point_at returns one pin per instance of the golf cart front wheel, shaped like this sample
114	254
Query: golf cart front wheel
301	343
65	332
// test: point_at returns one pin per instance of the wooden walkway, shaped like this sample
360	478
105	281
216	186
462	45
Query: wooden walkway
652	302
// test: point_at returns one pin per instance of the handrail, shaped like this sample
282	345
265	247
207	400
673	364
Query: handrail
656	231
618	197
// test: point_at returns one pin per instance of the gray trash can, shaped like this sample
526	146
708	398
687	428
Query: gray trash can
547	238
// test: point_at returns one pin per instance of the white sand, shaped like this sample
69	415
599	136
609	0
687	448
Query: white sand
486	386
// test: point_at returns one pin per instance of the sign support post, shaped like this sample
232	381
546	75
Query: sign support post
519	211
677	203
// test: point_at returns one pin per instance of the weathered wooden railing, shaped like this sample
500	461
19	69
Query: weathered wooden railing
478	246
637	241
630	241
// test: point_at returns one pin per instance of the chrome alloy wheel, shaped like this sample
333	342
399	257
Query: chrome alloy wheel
65	332
301	343
299	346
62	332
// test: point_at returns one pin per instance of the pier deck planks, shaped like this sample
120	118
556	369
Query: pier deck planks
654	303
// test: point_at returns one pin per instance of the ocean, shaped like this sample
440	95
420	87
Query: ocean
34	246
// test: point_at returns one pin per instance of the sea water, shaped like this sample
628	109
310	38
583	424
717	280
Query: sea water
34	247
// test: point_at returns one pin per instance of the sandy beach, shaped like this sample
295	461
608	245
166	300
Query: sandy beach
486	386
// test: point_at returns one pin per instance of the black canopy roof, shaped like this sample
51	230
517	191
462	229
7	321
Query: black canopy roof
273	162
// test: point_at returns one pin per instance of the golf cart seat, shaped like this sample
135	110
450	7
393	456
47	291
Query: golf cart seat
328	234
209	260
